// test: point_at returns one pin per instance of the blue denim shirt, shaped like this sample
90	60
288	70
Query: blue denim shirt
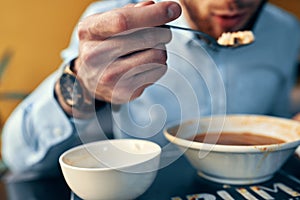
255	79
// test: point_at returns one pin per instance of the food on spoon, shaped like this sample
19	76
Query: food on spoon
233	38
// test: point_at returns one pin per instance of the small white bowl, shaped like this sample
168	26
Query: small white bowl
233	164
111	169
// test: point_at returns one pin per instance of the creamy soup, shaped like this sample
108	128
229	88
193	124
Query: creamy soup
227	138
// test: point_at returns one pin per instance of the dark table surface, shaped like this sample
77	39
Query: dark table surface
178	181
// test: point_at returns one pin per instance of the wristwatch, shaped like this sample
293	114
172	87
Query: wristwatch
73	97
73	91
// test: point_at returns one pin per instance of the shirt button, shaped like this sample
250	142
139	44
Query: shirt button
57	132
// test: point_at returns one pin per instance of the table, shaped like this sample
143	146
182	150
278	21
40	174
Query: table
178	181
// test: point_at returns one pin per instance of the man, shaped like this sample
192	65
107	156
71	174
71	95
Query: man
123	85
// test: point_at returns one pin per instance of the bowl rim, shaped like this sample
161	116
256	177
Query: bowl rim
156	154
184	143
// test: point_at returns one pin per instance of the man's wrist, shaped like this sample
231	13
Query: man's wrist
73	97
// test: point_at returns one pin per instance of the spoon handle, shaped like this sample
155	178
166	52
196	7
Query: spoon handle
207	38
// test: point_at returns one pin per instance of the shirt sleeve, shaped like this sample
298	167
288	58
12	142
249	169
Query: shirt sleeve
31	130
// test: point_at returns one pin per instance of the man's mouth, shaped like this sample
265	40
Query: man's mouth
229	21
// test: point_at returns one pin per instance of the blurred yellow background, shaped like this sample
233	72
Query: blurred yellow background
35	32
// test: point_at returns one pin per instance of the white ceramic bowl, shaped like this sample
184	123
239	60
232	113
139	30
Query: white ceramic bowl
236	164
111	169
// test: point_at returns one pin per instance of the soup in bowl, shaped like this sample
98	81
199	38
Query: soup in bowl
236	149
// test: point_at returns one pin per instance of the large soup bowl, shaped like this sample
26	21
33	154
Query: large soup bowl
236	164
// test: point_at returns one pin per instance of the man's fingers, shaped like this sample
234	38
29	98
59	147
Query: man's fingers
144	3
112	48
141	4
152	15
133	62
133	82
107	24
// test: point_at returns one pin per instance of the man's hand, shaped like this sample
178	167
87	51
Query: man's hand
122	51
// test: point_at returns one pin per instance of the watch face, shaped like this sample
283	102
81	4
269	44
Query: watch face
71	90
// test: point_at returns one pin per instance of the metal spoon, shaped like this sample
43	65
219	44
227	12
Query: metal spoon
212	42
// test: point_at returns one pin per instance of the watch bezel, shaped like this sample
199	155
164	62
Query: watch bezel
71	90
